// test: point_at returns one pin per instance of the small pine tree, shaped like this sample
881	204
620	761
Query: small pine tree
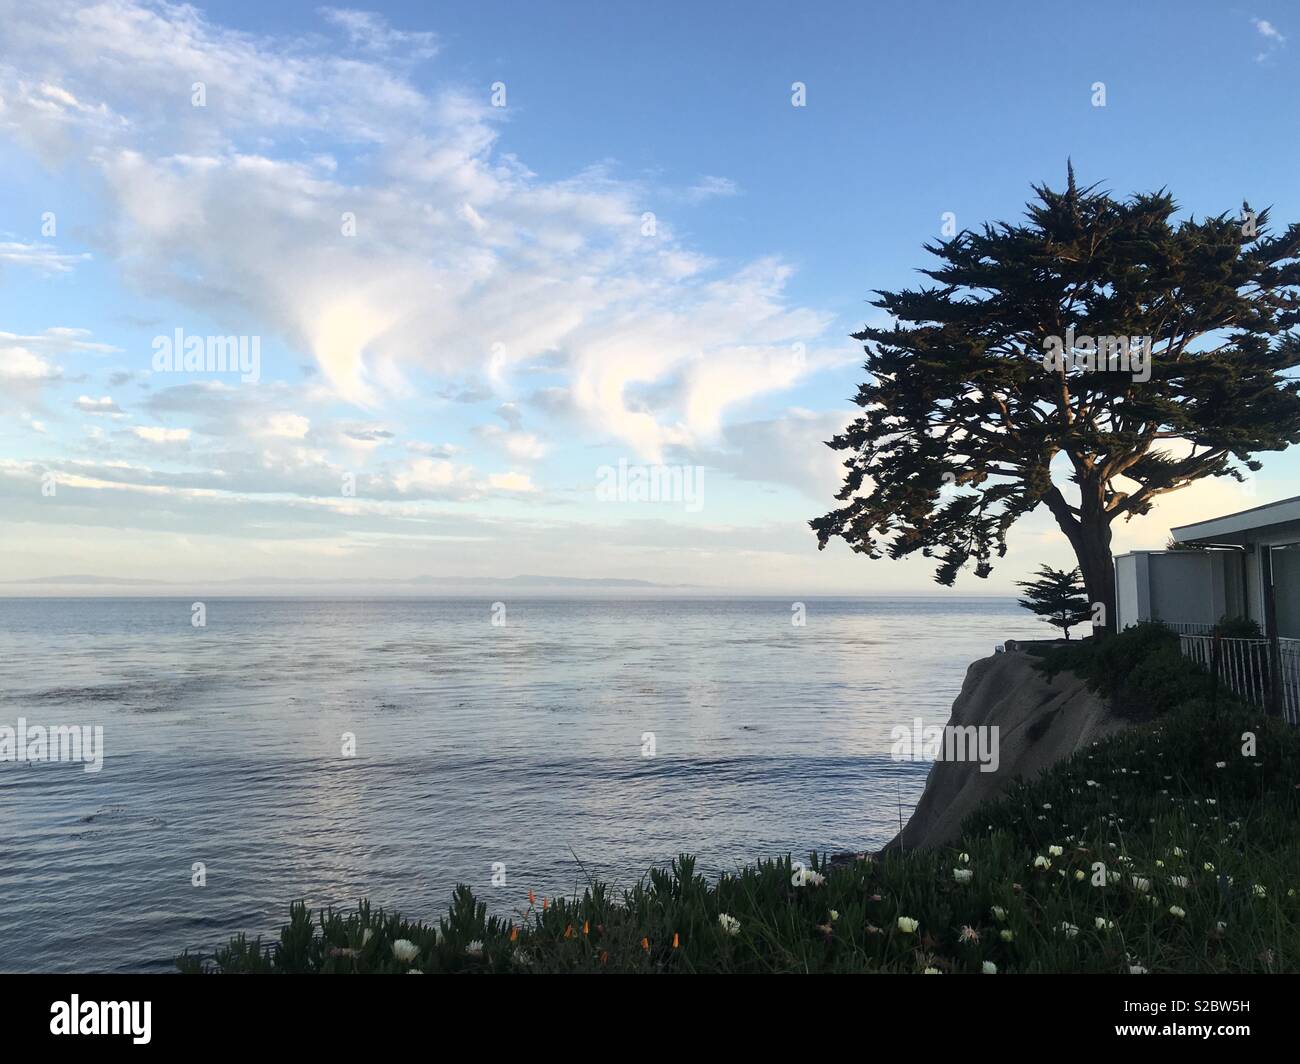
1057	596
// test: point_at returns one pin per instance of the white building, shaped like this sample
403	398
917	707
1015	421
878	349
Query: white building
1243	565
1249	567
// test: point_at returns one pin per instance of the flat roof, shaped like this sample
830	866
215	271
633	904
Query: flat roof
1273	513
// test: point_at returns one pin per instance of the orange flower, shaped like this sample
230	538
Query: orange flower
645	944
514	933
676	941
543	905
604	956
568	931
586	927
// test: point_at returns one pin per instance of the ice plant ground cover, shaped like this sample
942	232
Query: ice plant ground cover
1171	847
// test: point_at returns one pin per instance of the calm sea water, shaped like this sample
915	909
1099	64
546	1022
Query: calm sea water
475	744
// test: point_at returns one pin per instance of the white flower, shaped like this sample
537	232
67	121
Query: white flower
1093	783
999	913
405	950
1136	969
806	877
1259	891
414	971
962	875
933	971
835	915
1055	851
1178	912
1006	934
907	925
729	924
989	968
1208	866
1221	764
1103	924
1141	885
1042	862
474	949
964	858
1180	881
1069	930
1078	874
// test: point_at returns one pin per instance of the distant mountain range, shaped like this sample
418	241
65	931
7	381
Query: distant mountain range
526	580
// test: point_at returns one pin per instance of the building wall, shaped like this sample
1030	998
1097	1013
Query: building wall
1186	587
1286	591
1130	588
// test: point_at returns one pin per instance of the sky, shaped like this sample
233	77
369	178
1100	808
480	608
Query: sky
487	254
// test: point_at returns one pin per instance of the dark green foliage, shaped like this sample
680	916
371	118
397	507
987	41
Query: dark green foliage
1141	670
957	393
1238	628
1056	596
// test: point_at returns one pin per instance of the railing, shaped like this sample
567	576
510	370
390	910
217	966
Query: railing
1189	627
1265	672
1289	671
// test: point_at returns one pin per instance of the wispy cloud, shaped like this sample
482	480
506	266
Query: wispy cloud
708	188
451	259
44	258
1273	38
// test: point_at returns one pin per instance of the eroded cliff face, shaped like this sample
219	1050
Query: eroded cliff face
1039	723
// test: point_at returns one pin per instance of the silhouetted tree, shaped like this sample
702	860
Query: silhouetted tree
982	384
1057	596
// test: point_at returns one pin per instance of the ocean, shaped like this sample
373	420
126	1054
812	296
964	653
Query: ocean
578	738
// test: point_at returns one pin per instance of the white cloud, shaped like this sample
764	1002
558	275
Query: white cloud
523	446
434	475
371	33
464	265
1268	30
44	258
103	405
709	187
513	482
1273	38
156	434
286	426
20	364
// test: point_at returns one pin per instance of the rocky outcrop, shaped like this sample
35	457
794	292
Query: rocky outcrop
1039	722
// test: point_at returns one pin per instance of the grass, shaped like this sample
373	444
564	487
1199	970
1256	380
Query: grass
1171	847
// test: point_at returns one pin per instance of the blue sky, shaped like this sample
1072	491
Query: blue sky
501	325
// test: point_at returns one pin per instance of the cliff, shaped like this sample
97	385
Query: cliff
1039	723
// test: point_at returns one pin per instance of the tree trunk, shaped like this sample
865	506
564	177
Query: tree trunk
1098	570
1089	535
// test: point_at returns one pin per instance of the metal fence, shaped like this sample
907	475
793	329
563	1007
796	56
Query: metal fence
1265	672
1189	627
